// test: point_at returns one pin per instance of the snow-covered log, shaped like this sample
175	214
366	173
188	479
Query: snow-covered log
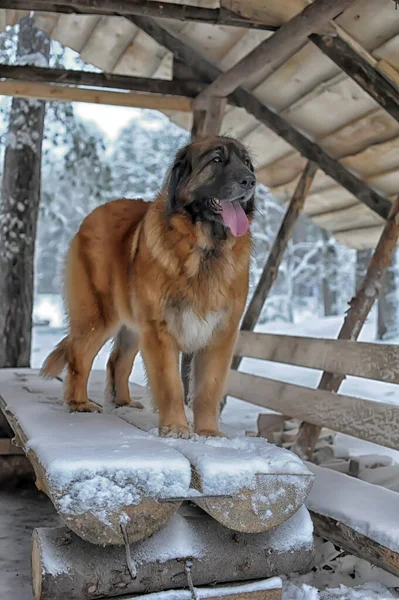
104	471
262	485
64	566
357	516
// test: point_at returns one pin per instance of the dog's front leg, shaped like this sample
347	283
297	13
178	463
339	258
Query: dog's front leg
161	357
210	369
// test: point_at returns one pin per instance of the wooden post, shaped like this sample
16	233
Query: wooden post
214	115
360	307
270	271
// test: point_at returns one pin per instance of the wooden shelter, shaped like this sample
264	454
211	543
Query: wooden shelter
329	96
312	89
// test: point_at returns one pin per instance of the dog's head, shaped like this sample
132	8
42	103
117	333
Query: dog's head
213	181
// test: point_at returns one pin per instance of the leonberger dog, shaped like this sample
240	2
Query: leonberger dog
163	277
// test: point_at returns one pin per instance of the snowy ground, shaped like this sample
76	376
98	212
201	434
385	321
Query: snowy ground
337	576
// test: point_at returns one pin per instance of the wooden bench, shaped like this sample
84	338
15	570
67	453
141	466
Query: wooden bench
335	497
114	482
101	469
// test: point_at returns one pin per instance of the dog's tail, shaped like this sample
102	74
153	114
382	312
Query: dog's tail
56	361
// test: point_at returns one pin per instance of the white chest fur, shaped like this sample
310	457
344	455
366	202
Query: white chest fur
191	331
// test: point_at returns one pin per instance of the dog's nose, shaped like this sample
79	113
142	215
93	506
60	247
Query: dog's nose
248	182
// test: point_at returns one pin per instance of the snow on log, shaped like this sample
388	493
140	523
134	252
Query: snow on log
105	470
267	589
98	471
65	566
357	516
262	485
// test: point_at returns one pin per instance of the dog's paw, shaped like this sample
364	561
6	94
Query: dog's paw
128	403
84	407
175	431
211	433
136	405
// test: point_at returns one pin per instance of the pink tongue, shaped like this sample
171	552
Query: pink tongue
234	217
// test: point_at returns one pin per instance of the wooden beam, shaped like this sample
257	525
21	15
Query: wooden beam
101	80
162	10
355	543
86	571
60	93
359	68
360	307
245	99
371	361
270	271
372	421
275	50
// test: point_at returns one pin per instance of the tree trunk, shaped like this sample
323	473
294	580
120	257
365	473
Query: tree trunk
387	302
329	277
20	197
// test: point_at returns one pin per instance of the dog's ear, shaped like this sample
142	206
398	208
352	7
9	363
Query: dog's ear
180	171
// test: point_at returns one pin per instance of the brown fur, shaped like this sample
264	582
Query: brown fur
133	268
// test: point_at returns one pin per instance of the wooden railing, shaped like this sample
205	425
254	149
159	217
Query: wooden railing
365	419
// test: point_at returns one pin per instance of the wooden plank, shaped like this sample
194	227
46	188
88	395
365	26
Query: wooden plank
274	51
352	139
169	10
360	359
355	318
355	543
101	80
91	491
373	421
215	553
270	271
59	93
365	523
356	66
247	100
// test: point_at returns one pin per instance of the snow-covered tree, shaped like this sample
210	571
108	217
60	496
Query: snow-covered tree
19	207
142	154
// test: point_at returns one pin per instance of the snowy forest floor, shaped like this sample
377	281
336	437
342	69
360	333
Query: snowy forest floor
337	576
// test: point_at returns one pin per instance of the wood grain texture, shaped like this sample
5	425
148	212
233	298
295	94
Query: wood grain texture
360	359
346	538
45	91
274	51
364	419
101	80
225	556
359	308
168	10
356	66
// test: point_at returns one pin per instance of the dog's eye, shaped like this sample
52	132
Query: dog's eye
247	162
217	159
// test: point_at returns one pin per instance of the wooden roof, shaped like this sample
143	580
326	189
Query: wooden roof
308	90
